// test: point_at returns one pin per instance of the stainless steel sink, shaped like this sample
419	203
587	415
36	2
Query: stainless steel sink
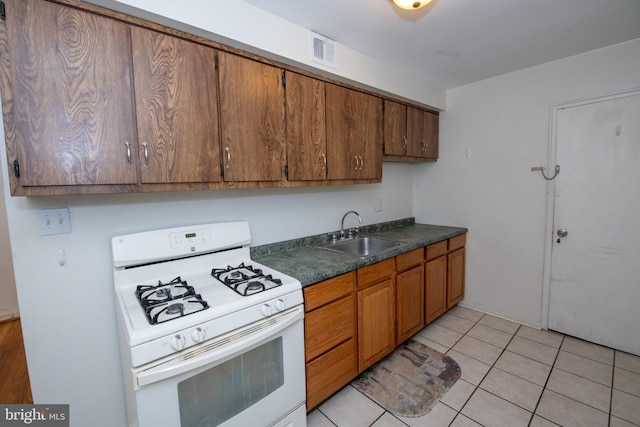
362	246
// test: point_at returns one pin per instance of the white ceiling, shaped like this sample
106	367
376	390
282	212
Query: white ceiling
455	42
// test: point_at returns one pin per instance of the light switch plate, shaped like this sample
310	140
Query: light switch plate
53	221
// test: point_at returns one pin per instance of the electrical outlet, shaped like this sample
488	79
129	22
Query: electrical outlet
378	205
53	221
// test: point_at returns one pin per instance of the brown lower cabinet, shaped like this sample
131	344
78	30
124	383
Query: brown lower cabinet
354	320
376	312
330	336
444	276
409	294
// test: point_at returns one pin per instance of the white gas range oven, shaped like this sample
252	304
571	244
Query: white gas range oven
207	336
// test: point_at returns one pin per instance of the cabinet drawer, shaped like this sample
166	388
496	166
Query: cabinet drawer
328	326
410	259
437	249
375	273
330	290
330	372
457	242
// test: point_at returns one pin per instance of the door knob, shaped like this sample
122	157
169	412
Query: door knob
562	232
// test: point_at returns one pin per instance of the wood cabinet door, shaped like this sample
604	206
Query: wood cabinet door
422	133
176	109
455	277
68	115
306	134
371	142
435	288
376	323
409	303
354	134
252	119
431	123
395	128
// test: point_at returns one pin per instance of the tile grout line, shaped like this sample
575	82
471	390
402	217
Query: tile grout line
489	370
493	366
459	412
544	387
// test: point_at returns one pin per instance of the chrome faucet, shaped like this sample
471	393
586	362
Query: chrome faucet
353	231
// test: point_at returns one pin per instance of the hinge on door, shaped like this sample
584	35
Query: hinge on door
284	80
16	168
286	171
3	11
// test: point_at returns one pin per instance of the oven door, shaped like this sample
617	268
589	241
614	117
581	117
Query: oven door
249	377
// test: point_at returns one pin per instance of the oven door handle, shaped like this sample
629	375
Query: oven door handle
219	349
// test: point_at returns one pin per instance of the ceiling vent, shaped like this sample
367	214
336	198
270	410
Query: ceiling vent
323	50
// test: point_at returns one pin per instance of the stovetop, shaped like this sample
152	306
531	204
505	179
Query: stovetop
176	288
191	279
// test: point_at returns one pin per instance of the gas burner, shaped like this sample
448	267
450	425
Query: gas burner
232	275
175	308
163	312
167	301
245	279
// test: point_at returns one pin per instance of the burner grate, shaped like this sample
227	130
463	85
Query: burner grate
168	301
246	280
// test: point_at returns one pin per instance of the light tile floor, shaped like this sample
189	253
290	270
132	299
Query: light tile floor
512	375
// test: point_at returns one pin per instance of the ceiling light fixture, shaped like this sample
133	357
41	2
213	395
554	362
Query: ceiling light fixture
411	4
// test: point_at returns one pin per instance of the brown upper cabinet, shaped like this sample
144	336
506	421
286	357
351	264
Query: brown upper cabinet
68	108
306	132
176	109
354	134
410	134
95	101
252	119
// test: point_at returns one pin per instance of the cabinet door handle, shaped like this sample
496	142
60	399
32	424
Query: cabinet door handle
128	145
405	143
324	162
228	150
361	163
146	154
356	167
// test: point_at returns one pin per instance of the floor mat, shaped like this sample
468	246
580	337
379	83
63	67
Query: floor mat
410	381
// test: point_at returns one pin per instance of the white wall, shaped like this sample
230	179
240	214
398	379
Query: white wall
8	294
504	121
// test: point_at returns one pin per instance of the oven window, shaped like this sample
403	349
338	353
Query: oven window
216	395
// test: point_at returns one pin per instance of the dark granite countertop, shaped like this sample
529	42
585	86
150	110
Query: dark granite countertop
304	260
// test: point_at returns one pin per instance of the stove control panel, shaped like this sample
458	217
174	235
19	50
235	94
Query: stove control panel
190	238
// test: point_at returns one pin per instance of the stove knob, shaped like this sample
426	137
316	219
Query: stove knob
178	342
281	305
198	334
265	310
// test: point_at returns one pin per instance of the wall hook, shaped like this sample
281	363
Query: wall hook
541	169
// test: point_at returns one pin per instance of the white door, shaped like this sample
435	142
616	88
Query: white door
595	270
